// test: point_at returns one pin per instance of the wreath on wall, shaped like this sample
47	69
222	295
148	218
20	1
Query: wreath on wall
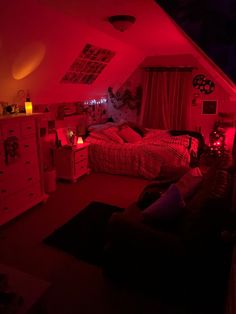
203	84
126	98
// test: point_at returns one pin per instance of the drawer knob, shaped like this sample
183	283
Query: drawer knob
30	179
29	128
5	208
28	162
31	194
4	191
26	146
1	172
11	131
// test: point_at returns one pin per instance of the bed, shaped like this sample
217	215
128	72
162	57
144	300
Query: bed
150	154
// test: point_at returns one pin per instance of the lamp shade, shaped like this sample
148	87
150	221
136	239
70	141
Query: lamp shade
80	140
121	22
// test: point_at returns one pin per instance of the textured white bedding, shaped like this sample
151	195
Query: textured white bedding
157	155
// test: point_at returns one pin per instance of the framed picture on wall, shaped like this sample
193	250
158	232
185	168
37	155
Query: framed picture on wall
209	107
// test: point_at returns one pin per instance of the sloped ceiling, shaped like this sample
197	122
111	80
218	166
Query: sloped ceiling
211	25
40	39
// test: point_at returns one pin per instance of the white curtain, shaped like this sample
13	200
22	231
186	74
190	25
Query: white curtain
166	98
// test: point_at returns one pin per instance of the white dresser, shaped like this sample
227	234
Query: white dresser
21	184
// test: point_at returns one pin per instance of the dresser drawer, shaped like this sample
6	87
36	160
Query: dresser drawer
2	170
28	127
14	170
81	168
29	160
2	155
14	178
1	134
2	151
31	169
9	208
19	202
32	193
11	129
30	178
11	185
81	154
28	148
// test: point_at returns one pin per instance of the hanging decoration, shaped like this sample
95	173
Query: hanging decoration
126	98
196	99
198	79
203	84
96	110
12	149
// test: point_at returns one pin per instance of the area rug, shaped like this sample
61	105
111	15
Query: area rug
84	235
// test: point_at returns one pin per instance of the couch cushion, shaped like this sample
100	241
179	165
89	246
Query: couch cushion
213	190
206	211
189	182
167	208
153	191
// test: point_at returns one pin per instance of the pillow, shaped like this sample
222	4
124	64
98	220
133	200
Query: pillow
136	127
189	182
98	136
100	127
129	135
152	191
168	207
112	134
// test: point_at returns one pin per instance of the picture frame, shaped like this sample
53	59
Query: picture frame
209	107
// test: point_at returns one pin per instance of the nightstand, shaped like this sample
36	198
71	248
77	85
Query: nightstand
71	162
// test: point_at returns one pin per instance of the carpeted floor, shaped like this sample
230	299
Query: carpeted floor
76	286
84	235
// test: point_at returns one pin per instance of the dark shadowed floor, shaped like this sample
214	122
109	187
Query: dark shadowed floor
76	287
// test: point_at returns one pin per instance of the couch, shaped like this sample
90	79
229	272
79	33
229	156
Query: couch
186	254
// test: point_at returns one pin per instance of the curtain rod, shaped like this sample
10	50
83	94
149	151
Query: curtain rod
164	68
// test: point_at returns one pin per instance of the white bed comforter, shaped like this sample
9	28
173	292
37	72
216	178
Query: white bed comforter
157	155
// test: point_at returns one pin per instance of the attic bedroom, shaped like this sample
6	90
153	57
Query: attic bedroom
117	157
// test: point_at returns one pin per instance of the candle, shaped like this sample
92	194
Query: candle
28	106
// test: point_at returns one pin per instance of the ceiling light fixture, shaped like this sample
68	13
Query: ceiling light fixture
121	22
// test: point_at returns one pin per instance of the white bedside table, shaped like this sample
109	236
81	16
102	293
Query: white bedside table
71	162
